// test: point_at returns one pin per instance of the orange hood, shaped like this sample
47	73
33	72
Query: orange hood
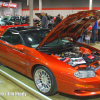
72	26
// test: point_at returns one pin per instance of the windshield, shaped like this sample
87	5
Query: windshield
58	42
33	39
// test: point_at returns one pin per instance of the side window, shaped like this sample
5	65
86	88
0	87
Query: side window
12	19
12	37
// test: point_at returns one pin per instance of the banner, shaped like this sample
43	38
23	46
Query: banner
8	5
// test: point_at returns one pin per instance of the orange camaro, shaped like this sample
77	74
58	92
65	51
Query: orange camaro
53	61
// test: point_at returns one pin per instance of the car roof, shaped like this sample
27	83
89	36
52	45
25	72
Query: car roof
26	28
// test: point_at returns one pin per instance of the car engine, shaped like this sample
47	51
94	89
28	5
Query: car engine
80	57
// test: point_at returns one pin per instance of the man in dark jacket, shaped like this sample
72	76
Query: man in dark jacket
44	23
57	20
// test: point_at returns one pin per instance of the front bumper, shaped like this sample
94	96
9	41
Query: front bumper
71	88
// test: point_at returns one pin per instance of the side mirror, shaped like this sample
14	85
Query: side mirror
19	47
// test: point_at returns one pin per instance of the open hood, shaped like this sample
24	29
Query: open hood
40	16
72	26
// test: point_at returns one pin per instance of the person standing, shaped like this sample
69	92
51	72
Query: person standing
57	20
62	17
80	39
98	31
94	30
44	23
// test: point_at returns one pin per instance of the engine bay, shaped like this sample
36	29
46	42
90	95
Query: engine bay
80	58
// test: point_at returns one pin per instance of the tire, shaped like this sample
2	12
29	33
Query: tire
44	80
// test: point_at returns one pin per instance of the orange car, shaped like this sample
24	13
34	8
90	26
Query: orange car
52	61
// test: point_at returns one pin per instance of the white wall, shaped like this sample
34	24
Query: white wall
6	11
52	12
18	11
77	5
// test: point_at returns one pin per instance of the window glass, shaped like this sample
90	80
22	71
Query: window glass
12	37
58	42
12	18
33	38
5	18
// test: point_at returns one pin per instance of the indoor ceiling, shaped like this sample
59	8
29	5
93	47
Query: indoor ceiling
5	0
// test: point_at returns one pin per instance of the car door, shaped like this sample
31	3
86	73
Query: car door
10	56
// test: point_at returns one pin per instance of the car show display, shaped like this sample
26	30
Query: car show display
51	59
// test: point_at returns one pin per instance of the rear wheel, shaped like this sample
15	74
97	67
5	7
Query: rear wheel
45	80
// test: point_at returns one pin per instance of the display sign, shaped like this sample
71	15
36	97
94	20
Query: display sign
8	5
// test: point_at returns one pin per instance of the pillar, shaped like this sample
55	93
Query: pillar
31	12
40	6
11	12
90	4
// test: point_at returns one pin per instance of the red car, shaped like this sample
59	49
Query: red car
4	28
52	60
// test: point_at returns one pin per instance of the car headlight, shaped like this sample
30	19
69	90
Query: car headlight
84	74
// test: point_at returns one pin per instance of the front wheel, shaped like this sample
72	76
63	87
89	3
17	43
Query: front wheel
45	80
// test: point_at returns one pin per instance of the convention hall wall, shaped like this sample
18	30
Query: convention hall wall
64	7
6	11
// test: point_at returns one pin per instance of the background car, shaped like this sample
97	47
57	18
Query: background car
50	20
16	20
10	20
1	22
